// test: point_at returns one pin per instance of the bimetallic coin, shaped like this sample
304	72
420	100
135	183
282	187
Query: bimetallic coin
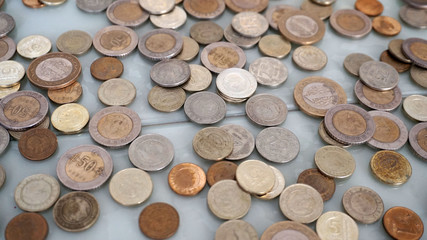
322	11
166	99
105	68
391	167
2	176
277	144
415	107
249	24
289	230
246	6
200	79
390	132
70	118
4	139
323	184
11	72
310	58
115	41
353	62
417	137
159	221
219	56
157	7
274	45
255	177
269	71
213	143
117	92
33	46
334	162
173	19
206	9
93	6
27	226
350	23
234	37
206	32
403	223
415	49
126	13
301	27
327	138
378	100
363	204
266	110
395	63
278	186
18	134
415	17
130	186
205	108
74	42
7	24
7	48
244	142
274	13
371	8
66	95
236	83
232	228
386	26
160	44
344	226
419	75
190	49
220	171
187	179
395	49
37	144
170	73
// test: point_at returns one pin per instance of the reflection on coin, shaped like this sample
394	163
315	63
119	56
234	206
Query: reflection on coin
130	186
397	218
8	24
274	45
414	106
157	7
7	48
246	6
206	9
37	144
323	184
117	92
255	177
220	171
75	42
173	19
219	56
390	132
391	167
234	37
266	110
353	62
290	26
200	79
66	95
327	138
335	162
11	72
278	186
53	2
18	134
419	75
160	44
395	63
151	152
187	179
33	3
350	23
37	193
27	226
166	99
269	71
395	49
105	68
70	118
232	228
249	24
159	221
344	226
33	46
126	13
205	108
213	143
386	26
289	230
414	17
206	32
322	11
115	41
415	49
236	83
363	204
3	176
6	91
170	73
371	8
274	13
190	49
244	142
378	100
309	58
277	144
417	137
93	6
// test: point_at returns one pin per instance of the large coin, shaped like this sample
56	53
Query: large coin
160	44
397	218
390	132
335	162
415	49
130	186
378	75
269	71
244	142
266	110
75	42
363	204
126	13
213	143
301	27
379	100
350	23
417	137
170	72
414	106
27	226
277	144
205	108
219	56
115	41
344	226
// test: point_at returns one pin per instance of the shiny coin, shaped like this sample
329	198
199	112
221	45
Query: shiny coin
84	167
391	167
200	79
206	32
6	91
131	186
244	142
417	3
37	193
335	162
395	49
277	144
419	75
115	126
386	26
255	177
274	45
417	137
310	58
379	100
33	3
157	7
289	230
115	41
213	143
390	132
160	44
415	49
170	73
151	152
363	204
344	226
324	2
415	17
126	13
323	184
3	176
70	118
37	144
220	171
33	46
290	26
205	108
166	99
249	24
18	134
232	228
236	83
117	92
315	95
105	68
371	8
93	6
234	37
159	221
74	42
173	19
190	49
245	6
53	2
27	226
274	13
395	63
7	48
219	56
66	95
350	23
279	185
206	9
266	110
414	106
76	211
327	138
301	203
8	24
11	72
269	71
322	11
187	179
398	218
353	62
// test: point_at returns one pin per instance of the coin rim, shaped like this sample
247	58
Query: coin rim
111	53
395	103
157	56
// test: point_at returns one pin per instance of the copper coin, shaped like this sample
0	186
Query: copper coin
391	167
106	68
371	8
323	184
206	32
37	144
386	26
204	9
350	23
417	139
187	179
159	221
398	65
29	226
33	3
378	100
403	223
66	95
247	5
7	48
301	27
220	171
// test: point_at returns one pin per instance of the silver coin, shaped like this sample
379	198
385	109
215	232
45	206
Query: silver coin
173	19
346	30
353	62
417	3
277	144
7	23
160	44
205	108
2	176
219	56
274	13
206	32
249	24
266	110
363	204
131	186
255	177
417	136
395	49
115	41
74	42
11	48
117	92
93	6
157	6
269	71
236	83
415	17
416	54
11	72
419	75
310	58
390	132
378	75
415	107
234	37
244	142
135	14
170	72
33	46
278	187
344	226
322	11
335	162
84	167
378	100
151	152
233	228
324	2
4	139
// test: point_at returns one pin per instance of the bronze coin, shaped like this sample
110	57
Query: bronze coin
66	95
187	179
323	184
33	3
386	26
106	68
220	171
403	224
37	144
247	5
371	8
398	65
391	167
159	221
29	226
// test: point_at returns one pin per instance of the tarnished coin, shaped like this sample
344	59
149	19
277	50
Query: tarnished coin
37	144
115	126
395	49
419	75
269	71
274	45
371	8
200	79
322	11
335	162
66	95
157	7
386	25
417	3
53	2
289	230
205	108
75	42
33	46
8	90
84	167
323	184
266	110
166	99
234	37
187	179
363	204
344	226
301	27
315	95
131	186
3	176
236	83
117	92
220	171
93	6
151	152
274	13
415	17
160	44
395	63
37	193
232	228
7	48
33	3
105	68
246	6
390	132
213	143
249	24
205	9
76	211
173	19
70	118
159	221
403	223
54	70
255	177
115	41
310	58
7	24
170	72
327	138
126	13
219	56
417	137
353	62
190	49
244	142
206	32
391	167
11	72
301	203
18	134
415	107
27	226
279	185
277	144
350	23
415	49
378	100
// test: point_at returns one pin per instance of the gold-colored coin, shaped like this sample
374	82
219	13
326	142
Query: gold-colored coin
200	79
4	91
190	49
213	143
166	99
75	42
327	138
70	118
274	45
335	162
391	167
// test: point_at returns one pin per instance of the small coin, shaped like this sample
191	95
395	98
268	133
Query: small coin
249	24
76	211
166	99
274	13
37	144
160	44
344	226
310	58
395	49
205	108
8	24
53	2
255	177
289	230
27	226
190	49
415	49
105	68
417	3
37	193
11	73
277	144
386	25
6	91
269	71
66	95
290	27
414	106
200	79
220	171
33	46
323	184
126	13
390	132
274	45
244	142
363	204
170	73
324	2
205	9
219	56
115	41
415	17
335	162
322	11
278	186
2	176
130	186
419	75
353	62
33	3
232	228
395	63
371	8
173	19
327	138
403	223
417	137
18	134
236	83
187	179
159	221
115	126
93	6
7	48
246	6
266	110
350	23
234	37
378	100
117	92
213	143
70	118
206	32
391	167
157	7
74	42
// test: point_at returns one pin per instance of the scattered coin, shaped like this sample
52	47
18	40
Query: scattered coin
234	37
205	108
249	24
274	45
8	24
27	226
415	49
105	68
277	144
415	17
245	6
93	6
274	13
236	83
371	8
2	176
166	99
386	25
11	73
190	49
200	79
37	144
213	143
219	56
126	13
33	3
344	226
335	162
206	9
269	71
327	138
353	62
414	106
7	48
206	32
390	132
6	91
70	118
159	221
322	11
350	23
324	2
18	134
66	95
115	41
157	7
396	64
290	26
310	58
419	75
363	204
379	100
395	49
403	223
391	167
417	3
278	186
160	44
33	46
266	110
220	171
255	177
417	137
323	184
170	73
117	92
289	230
244	142
53	2
232	228
172	20
131	186
74	42
187	179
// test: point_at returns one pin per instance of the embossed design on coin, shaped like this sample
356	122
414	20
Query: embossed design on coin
310	58
236	83
414	106
37	144
368	7
126	13
170	72
187	179
337	225
289	229
75	42
266	110
166	99
200	79
255	177
115	41
93	6
234	37
391	167
350	23
117	92
27	226
11	72
220	171
213	143
190	49
417	139
386	26
378	75
379	100
323	184
403	223
205	108
249	24
414	17
160	44
335	162
277	144
151	152
353	62
363	204
172	20
33	46
390	132
269	71
130	186
244	142
205	9
66	95
301	27
274	45
219	56
105	68
206	32
159	221
70	118
157	7
247	5
234	228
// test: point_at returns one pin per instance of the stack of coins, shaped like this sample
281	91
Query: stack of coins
236	85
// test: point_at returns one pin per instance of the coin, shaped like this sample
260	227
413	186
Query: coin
353	62
33	3
395	49
323	184
415	17
371	8
274	13
327	138
74	42
173	19
419	75
37	144
255	177
344	226
269	71
115	126
190	49
278	186
289	230
220	171
105	68
244	142
236	83
414	106
2	176
415	49
310	58
8	24
11	72
390	132
7	48
54	70
301	203
417	3
403	223
130	186
322	11
53	2
232	228
115	41
234	37
159	221
27	226
334	162
396	64
93	6
166	99
66	95
246	6
213	143
315	95
157	7
170	73
219	56
18	134
324	2
187	179
160	44
277	144
33	46
117	92
274	45
70	118
200	79
76	211
386	26
290	26
206	32
37	193
417	137
205	108
350	23
379	100
205	9
266	110
126	13
363	204
391	167
249	24
8	90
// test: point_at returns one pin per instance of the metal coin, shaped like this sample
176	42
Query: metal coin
7	24
391	167
350	23
190	49
310	58
7	48
378	75
115	41
363	204
289	230
419	75
206	9
327	138
344	228
371	8
220	171
234	37
323	184
236	83
53	2
18	134
200	79
415	49
105	68
395	63
219	56
335	162
290	26
246	6
170	73
274	45
378	100
249	24
386	26
269	71
66	95
173	19
417	137
205	108
274	13
277	144
232	228
266	110
213	143
33	46
33	3
415	107
93	6
160	44
130	186
117	92
187	179
157	7
70	118
322	11
166	99
11	72
4	139
27	226
324	2
244	142
159	221
206	32
255	177
397	218
2	176
126	13
278	186
390	132
75	42
37	144
415	17
417	3
6	91
395	49
353	62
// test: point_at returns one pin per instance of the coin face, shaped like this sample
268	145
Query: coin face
8	24
415	49
236	83
274	13
37	144
322	11
249	24
70	118
414	107
350	23
151	152
126	13
220	171
378	100
159	220
370	8
166	99
344	226
289	229
172	20
160	44
244	142
408	221
386	26
115	41
310	58
417	137
415	17
206	32
419	75
11	72
117	92
255	177
277	144
187	179
395	63
353	62
130	186
274	45
390	132
27	226
105	68
246	5
231	228
33	46
395	49
269	71
206	9
205	108
327	138
213	143
7	48
170	73
234	37
301	27
334	162
363	204
93	6
323	184
190	49
219	56
266	110
391	167
378	75
75	42
66	95
200	79
157	7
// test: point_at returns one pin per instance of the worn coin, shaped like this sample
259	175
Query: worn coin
274	13
126	13
244	142
301	27
7	24
391	167
105	68
190	49
205	108
130	186
266	110
414	106
249	24
386	25
76	211
219	56
379	100
220	171
37	193
115	126
371	8
205	9
390	132
236	83
279	185
417	3
70	118
310	58
350	23
33	46
213	143
206	32
160	44
395	63
255	177
417	137
53	2
322	11
33	3
166	99
18	134
93	6
335	162
403	223
27	226
159	220
246	6
344	226
37	144
234	37
289	230
200	79
233	228
7	48
269	71
415	17
66	95
8	90
395	49
170	73
277	144
157	7
353	62
117	92
151	152
115	41
75	42
323	184
415	49
11	73
363	204
274	45
173	19
187	179
327	138
2	176
419	75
